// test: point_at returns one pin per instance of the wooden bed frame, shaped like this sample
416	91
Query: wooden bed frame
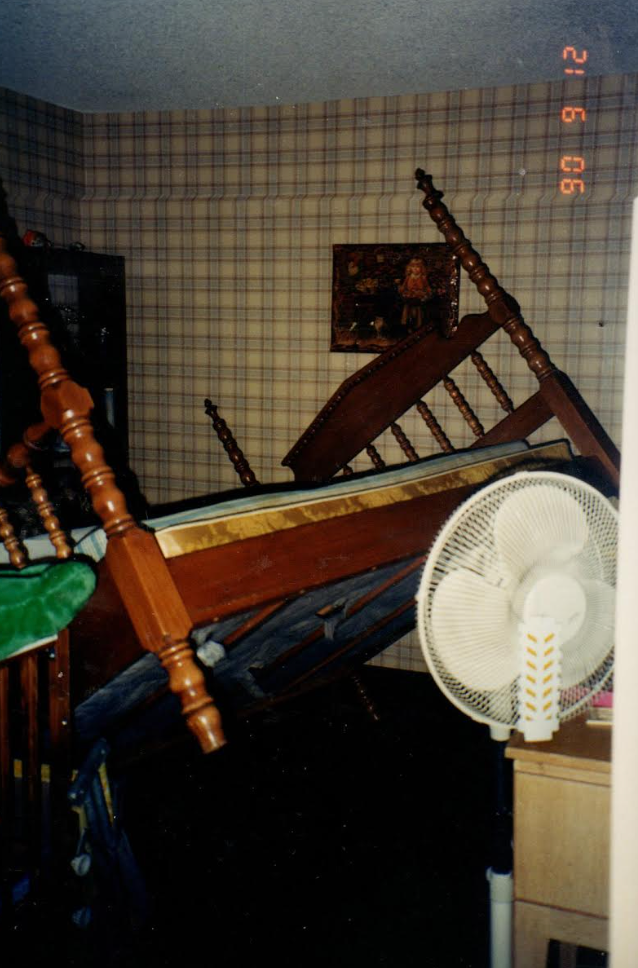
373	398
145	600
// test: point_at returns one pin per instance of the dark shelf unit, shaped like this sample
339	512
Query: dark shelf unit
82	298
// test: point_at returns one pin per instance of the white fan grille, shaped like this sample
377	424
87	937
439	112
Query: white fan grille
479	559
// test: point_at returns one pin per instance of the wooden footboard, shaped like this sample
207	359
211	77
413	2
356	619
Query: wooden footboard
296	557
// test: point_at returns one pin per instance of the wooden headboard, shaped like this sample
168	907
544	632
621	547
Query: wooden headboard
374	398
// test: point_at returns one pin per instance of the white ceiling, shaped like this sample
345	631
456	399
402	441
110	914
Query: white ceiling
118	55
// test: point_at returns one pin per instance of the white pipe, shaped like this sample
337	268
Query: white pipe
501	903
624	795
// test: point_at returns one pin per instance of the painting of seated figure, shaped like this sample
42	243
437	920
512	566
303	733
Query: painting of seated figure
382	293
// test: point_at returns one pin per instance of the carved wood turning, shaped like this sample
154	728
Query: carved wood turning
137	564
47	515
385	388
492	382
230	445
375	457
501	306
463	407
434	427
15	551
404	442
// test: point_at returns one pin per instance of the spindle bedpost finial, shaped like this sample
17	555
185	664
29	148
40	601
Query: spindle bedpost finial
503	309
230	445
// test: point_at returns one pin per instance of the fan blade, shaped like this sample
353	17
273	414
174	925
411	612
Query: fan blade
540	522
474	632
591	645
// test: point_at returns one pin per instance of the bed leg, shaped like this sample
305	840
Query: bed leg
365	698
6	796
186	679
31	787
59	669
163	626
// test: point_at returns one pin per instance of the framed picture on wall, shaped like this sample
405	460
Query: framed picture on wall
382	293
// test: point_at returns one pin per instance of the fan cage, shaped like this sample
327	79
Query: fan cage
467	541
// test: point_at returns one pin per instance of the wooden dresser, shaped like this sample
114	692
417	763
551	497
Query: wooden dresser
561	840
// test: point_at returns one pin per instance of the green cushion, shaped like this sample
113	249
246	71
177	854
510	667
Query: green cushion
40	600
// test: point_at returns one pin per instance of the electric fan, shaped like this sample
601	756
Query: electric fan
516	621
516	603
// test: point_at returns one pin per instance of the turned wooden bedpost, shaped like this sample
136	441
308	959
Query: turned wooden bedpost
556	389
502	307
151	598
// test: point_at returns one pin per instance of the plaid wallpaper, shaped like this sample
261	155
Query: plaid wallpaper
227	220
42	165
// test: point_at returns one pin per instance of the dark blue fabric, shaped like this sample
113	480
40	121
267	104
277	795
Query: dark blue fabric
246	674
120	901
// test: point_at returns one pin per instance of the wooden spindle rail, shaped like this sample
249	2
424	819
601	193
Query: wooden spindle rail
492	382
463	407
135	560
434	427
375	457
230	445
18	463
403	442
15	551
47	514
